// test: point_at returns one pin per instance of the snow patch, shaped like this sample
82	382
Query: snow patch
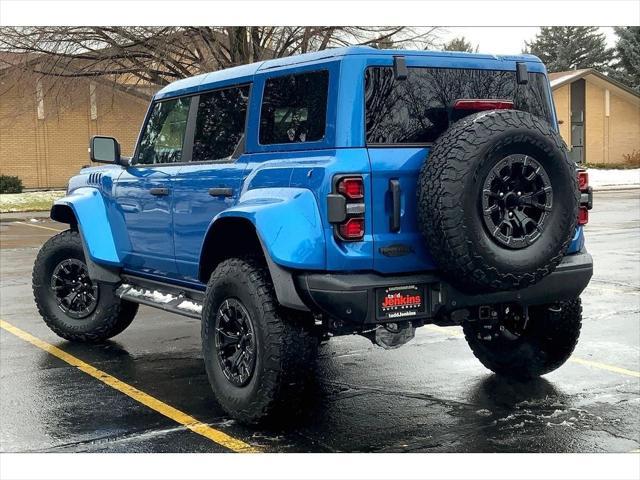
508	417
563	424
154	295
191	306
483	412
609	178
556	413
17	202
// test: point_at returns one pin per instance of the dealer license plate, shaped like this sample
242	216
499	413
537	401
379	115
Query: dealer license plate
401	302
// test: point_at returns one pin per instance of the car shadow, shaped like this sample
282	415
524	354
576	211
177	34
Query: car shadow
513	416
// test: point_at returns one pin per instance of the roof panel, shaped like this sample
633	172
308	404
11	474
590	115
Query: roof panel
244	73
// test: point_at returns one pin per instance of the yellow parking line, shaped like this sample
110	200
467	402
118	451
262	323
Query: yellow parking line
39	226
580	361
604	366
182	418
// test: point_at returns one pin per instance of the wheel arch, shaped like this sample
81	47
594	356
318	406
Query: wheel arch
63	213
245	241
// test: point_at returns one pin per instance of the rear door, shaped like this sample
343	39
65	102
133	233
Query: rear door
403	118
210	182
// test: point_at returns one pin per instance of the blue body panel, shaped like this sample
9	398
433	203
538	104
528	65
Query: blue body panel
281	189
194	208
288	224
147	218
90	210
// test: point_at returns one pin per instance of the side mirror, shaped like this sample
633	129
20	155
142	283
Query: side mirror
104	150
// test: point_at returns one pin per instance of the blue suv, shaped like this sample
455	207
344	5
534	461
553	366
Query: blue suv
348	191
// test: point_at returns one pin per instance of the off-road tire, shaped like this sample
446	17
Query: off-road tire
449	206
286	345
545	345
111	314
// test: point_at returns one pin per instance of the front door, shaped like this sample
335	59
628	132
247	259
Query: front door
144	192
211	182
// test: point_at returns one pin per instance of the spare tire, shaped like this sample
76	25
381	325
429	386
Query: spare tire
498	201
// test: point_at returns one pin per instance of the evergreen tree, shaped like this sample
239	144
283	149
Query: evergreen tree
570	48
626	69
459	44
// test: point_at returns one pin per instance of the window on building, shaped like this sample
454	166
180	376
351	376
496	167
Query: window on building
220	124
40	100
163	137
294	108
93	104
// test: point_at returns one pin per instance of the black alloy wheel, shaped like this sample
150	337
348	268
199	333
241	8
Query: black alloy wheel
516	200
75	293
235	342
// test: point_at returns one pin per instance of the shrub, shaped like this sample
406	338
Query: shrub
9	184
632	159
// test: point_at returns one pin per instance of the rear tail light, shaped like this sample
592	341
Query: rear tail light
583	216
351	187
352	229
479	104
345	207
583	180
586	197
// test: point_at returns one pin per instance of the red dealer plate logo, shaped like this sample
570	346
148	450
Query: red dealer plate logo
401	302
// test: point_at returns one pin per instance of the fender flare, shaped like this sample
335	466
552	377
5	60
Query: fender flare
90	215
287	224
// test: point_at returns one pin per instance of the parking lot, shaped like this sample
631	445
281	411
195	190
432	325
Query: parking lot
147	391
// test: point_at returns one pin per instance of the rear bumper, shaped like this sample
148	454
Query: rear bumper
351	297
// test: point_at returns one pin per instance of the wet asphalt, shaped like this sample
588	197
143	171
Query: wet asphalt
431	395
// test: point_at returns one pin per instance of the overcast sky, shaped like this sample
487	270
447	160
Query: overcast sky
503	40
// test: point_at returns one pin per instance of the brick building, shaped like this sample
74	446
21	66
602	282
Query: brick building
45	127
599	117
45	130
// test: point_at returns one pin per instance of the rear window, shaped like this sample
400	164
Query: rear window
220	123
417	110
294	108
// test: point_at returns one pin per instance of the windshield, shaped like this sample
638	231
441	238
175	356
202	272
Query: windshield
417	110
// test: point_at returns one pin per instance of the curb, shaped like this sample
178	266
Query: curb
616	188
20	216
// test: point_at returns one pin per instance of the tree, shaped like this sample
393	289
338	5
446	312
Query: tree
626	68
459	44
159	55
570	48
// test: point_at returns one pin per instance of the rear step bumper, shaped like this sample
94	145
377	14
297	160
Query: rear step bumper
351	297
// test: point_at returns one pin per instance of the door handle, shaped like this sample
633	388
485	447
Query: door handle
394	220
159	191
221	192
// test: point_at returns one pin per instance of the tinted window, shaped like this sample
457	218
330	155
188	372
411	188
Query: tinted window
163	136
294	108
418	109
220	123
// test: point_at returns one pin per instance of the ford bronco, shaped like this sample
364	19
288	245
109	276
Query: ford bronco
348	191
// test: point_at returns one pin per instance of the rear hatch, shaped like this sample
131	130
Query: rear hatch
403	118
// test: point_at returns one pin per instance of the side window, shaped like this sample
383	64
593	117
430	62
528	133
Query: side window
220	123
163	137
294	108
